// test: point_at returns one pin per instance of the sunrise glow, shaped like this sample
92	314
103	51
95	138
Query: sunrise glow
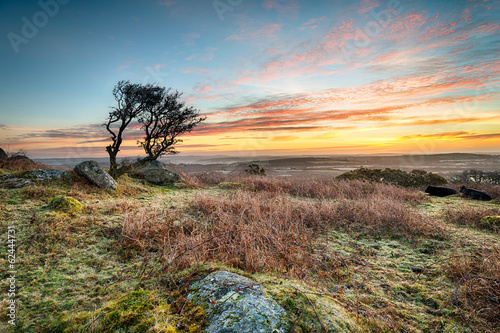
273	76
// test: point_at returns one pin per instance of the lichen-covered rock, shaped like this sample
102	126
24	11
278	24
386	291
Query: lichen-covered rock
490	221
157	173
65	204
91	171
30	177
11	182
45	174
236	304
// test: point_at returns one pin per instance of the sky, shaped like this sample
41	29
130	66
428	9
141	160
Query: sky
273	77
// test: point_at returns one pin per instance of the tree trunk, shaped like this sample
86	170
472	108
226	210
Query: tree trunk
113	166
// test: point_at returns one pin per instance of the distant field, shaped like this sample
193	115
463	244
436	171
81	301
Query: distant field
443	164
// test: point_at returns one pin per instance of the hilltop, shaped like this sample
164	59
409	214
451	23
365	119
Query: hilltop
337	255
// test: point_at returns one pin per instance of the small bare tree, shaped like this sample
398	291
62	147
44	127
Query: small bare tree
160	112
132	99
164	122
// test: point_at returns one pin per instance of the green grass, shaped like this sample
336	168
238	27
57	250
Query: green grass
76	275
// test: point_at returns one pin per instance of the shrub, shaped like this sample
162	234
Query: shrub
255	169
19	161
477	176
395	176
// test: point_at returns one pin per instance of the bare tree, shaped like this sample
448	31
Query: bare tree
163	116
132	99
164	122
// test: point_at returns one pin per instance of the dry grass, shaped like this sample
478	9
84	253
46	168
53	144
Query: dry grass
243	230
318	187
19	161
268	232
470	216
478	286
380	216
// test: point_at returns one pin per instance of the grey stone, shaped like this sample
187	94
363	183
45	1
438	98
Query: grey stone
3	155
45	174
236	304
91	171
30	177
157	173
15	182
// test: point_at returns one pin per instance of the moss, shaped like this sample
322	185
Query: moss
490	222
197	313
230	185
65	204
12	201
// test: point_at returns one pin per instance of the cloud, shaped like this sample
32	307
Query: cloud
453	135
167	3
208	55
190	39
126	64
312	23
90	132
201	70
205	88
266	31
368	5
158	66
287	8
202	145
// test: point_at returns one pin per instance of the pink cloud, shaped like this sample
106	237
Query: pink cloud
266	31
312	23
284	7
205	88
126	64
368	5
158	66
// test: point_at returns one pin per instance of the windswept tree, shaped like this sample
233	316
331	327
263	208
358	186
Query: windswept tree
164	122
161	114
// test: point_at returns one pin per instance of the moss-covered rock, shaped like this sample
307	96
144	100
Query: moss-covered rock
157	173
490	222
31	177
65	204
91	171
236	304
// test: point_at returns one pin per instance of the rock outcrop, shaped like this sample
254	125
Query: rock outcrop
236	304
157	173
3	155
96	175
30	177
